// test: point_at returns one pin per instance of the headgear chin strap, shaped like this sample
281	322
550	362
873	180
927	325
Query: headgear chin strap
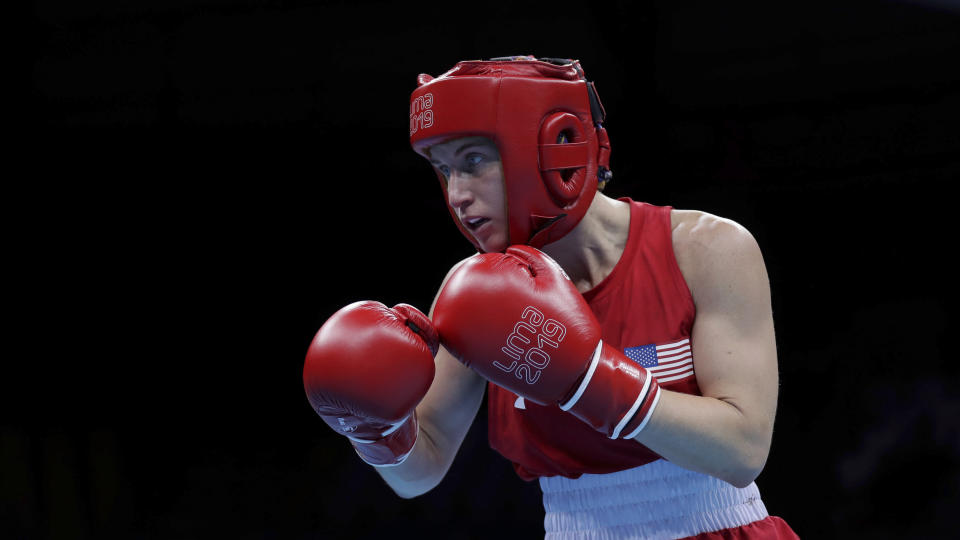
545	119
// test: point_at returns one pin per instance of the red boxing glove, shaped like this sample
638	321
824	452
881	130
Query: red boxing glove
366	370
517	319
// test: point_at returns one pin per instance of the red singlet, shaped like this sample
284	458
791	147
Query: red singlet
595	487
645	310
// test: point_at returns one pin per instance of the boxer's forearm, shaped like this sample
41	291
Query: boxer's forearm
420	472
445	417
708	435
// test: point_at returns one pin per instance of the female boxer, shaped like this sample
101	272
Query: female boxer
628	349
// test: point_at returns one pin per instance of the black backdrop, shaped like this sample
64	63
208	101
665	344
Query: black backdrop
204	182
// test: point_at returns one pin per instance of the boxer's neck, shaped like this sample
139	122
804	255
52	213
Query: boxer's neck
590	251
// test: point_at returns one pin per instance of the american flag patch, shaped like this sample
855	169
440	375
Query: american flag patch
667	362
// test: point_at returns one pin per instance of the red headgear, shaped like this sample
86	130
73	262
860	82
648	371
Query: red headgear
545	119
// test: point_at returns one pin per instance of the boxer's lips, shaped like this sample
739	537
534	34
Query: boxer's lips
474	222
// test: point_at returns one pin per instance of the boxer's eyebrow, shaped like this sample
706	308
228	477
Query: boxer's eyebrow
461	148
466	145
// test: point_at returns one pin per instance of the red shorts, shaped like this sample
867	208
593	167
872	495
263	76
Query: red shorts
771	527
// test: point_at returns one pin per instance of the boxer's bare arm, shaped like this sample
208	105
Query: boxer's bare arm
445	416
727	431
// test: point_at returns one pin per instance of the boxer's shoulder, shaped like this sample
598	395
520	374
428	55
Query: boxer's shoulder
707	246
693	228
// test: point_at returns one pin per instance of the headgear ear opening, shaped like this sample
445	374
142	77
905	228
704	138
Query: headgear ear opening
563	165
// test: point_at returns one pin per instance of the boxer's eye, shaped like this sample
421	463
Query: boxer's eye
445	170
472	161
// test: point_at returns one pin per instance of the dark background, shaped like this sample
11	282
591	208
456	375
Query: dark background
202	184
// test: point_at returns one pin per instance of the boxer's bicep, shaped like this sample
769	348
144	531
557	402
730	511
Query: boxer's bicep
726	431
734	346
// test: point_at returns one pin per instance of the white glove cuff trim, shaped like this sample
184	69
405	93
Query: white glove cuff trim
586	380
400	459
656	399
633	409
384	434
395	427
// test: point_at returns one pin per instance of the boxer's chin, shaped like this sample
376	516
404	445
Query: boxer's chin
491	239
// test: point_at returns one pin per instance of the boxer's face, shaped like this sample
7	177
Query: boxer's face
474	176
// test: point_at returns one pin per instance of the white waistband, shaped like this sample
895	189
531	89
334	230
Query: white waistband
657	500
